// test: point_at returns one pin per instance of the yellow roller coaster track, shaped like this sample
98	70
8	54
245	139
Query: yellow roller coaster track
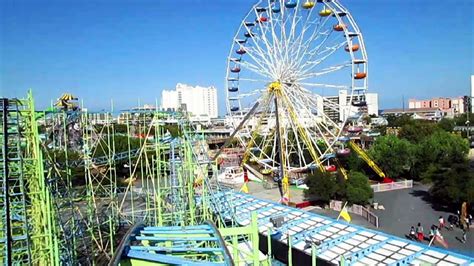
366	158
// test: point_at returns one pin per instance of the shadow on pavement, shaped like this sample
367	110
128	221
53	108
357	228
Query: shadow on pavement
426	197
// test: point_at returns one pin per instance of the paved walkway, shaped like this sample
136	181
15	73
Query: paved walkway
405	208
256	189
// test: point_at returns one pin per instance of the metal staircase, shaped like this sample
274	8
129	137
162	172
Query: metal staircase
14	238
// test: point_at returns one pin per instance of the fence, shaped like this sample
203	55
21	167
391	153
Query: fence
356	209
392	186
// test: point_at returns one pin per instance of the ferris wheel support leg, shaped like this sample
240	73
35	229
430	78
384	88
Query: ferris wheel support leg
228	141
280	150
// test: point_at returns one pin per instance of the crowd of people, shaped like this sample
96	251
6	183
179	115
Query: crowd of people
434	234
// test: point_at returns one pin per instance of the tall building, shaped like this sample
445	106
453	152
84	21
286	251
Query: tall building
169	100
449	106
339	108
199	102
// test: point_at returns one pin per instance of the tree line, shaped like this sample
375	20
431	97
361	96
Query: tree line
425	151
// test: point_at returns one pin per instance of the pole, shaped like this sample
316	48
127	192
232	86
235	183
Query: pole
280	151
5	178
339	216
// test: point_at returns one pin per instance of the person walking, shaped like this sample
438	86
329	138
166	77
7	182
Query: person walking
439	238
413	233
452	220
432	232
441	222
464	235
419	232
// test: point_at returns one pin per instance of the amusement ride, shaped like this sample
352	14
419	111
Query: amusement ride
284	59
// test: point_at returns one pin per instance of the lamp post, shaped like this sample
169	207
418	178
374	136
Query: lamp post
468	129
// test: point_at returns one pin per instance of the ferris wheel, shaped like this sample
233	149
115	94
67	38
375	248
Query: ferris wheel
286	56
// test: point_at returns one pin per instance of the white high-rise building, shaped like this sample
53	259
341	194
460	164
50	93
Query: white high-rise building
200	102
345	108
169	100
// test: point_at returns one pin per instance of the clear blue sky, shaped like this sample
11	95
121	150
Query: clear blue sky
130	50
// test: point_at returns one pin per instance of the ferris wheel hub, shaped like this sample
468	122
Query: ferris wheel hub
274	86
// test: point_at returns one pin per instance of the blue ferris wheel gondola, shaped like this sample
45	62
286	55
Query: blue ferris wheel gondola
291	3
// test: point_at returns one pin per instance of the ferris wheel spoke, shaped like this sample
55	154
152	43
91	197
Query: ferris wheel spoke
317	33
299	143
254	80
257	51
252	93
299	40
306	75
291	40
253	142
263	36
327	52
259	59
311	100
277	43
257	69
298	45
312	60
321	128
302	130
322	85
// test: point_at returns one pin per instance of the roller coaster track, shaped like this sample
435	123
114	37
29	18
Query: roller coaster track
367	159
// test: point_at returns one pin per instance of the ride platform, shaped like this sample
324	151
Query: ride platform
306	233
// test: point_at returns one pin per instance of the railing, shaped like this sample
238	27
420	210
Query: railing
356	209
392	186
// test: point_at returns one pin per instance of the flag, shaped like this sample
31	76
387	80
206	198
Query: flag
244	188
344	214
440	240
286	198
246	175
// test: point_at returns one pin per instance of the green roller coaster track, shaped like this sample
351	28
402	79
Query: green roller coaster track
70	190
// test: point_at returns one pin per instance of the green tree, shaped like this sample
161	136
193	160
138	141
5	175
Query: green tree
353	161
121	128
452	186
441	149
392	154
398	120
447	124
417	130
444	148
321	186
461	119
358	190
